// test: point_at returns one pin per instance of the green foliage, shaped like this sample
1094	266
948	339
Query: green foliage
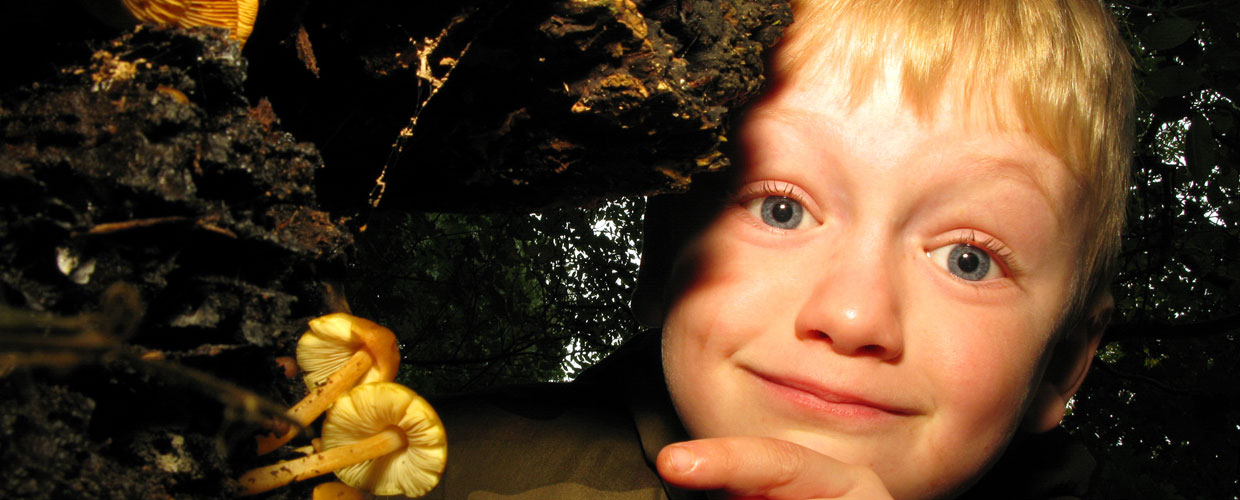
482	300
1161	408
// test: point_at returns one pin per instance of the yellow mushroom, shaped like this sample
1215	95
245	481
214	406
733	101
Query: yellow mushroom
382	438
236	15
336	491
338	352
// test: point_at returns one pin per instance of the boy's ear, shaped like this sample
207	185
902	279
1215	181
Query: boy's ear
1068	365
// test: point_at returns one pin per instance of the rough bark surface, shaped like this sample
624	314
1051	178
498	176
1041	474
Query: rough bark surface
146	166
164	236
509	105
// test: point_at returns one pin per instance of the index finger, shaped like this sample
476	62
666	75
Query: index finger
766	467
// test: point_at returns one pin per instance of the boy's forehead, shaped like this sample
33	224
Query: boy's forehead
933	62
810	77
963	99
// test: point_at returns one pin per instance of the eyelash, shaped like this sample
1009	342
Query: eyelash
765	188
993	246
769	188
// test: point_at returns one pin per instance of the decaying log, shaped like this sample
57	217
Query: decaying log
511	104
223	187
146	165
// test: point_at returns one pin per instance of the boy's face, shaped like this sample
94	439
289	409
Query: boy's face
884	290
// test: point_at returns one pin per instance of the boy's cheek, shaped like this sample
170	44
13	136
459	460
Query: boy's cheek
701	266
985	369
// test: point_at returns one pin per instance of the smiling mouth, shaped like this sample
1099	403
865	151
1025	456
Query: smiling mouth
819	399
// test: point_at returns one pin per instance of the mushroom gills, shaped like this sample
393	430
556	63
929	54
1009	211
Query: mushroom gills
380	437
236	15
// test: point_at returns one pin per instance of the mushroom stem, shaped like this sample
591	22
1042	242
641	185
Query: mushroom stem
319	398
276	475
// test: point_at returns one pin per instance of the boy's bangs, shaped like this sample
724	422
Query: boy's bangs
1055	69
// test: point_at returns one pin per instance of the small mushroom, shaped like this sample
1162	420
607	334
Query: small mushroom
336	491
338	352
381	437
236	15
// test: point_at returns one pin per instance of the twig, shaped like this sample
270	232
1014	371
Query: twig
112	227
1144	378
424	73
34	339
1118	332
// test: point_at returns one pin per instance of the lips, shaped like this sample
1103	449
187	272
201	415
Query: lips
820	399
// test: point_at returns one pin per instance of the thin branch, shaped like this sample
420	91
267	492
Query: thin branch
1144	378
1119	332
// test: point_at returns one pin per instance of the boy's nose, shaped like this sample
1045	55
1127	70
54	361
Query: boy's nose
852	307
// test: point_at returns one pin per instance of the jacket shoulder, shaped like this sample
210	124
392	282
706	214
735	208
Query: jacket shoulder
546	441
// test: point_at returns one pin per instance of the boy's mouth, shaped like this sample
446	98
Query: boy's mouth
819	398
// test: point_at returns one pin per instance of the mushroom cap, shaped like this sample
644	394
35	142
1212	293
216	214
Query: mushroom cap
369	409
334	338
236	15
336	491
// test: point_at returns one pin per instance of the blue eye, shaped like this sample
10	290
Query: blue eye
781	212
778	205
965	261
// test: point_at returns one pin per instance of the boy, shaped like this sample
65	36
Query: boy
908	276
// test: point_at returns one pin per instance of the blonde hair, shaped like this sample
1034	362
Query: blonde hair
1062	63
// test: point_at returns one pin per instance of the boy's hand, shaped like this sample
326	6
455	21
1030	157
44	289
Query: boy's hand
768	468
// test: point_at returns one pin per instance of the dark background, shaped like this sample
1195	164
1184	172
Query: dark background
483	292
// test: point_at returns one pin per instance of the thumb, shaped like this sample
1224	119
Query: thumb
765	467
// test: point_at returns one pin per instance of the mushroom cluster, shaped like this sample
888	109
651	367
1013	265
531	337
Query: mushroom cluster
379	436
338	352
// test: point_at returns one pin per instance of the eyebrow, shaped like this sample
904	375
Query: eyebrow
1025	172
798	119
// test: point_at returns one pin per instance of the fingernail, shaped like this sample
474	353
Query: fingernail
681	459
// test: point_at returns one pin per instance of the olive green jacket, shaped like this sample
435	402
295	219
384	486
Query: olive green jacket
596	439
